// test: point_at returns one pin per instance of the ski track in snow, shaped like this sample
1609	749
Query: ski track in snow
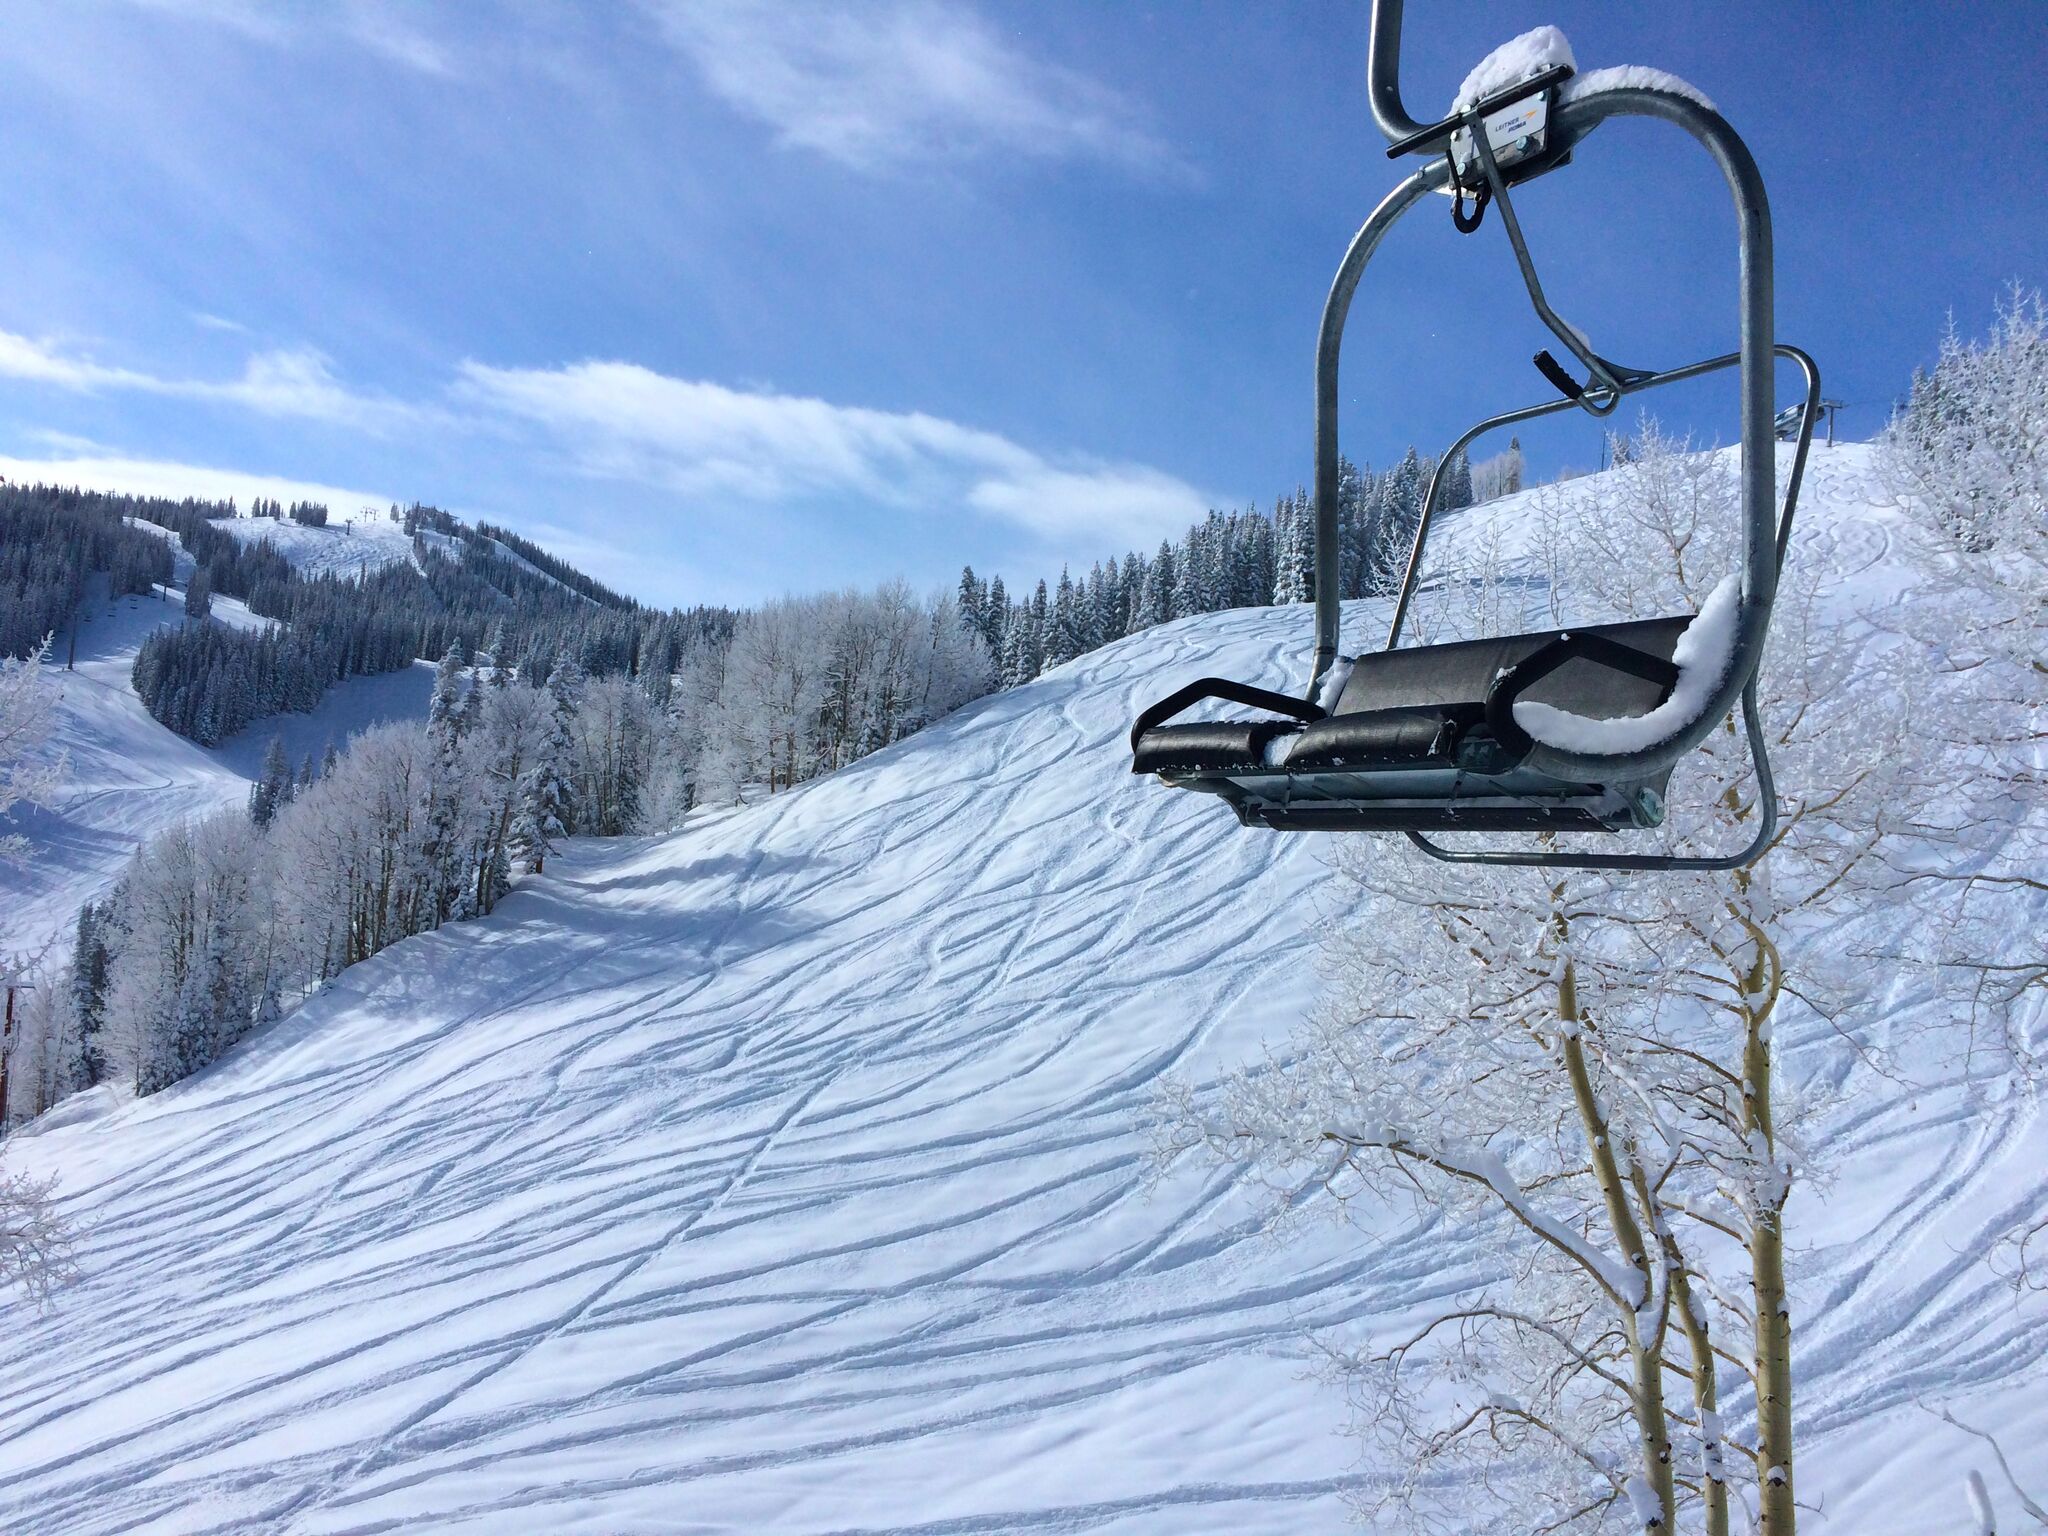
791	1175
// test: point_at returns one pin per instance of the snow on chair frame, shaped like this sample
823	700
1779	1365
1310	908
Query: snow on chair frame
1563	730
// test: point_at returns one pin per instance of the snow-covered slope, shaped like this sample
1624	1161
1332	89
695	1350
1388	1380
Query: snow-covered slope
790	1175
131	778
345	547
449	545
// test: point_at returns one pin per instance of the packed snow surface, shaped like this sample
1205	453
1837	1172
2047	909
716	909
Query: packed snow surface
1512	62
131	778
791	1175
348	546
1701	655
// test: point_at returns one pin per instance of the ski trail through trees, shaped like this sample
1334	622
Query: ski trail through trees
795	1174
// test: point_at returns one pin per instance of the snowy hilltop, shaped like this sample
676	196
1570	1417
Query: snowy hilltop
801	1171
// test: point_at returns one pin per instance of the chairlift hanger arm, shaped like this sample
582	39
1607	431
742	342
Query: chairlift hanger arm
1383	73
1424	140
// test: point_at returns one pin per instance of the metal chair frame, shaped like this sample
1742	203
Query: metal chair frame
1766	528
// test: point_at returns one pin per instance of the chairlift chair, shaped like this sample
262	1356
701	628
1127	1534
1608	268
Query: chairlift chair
1425	739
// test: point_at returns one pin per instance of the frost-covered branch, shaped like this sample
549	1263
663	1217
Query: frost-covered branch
35	1240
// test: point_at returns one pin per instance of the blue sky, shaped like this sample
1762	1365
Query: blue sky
722	300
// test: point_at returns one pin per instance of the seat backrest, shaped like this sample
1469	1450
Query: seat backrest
1457	675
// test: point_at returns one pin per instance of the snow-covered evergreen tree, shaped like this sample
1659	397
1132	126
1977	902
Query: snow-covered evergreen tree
273	787
1155	602
87	980
29	773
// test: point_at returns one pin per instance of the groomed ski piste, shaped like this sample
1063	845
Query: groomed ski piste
349	544
354	544
130	778
793	1174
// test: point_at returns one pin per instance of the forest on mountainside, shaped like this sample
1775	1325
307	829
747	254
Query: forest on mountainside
560	708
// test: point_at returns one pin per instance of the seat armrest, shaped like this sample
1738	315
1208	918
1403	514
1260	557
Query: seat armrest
1234	693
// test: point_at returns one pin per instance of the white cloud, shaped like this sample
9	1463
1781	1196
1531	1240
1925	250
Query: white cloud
894	82
386	33
623	421
1128	504
374	25
39	363
158	477
289	383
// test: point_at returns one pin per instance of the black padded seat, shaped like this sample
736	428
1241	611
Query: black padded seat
1460	673
1405	734
1412	706
1213	746
1417	744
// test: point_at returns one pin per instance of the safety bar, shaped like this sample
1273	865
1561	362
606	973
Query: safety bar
1525	674
1601	396
1741	858
1431	494
1752	714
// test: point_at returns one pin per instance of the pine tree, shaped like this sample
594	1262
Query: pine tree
1018	666
995	617
1399	508
1155	602
273	786
1190	576
1457	484
442	848
973	596
448	696
88	998
1294	553
547	795
198	596
1063	641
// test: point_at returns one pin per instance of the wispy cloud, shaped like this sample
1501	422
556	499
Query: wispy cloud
288	383
895	82
377	26
701	440
383	31
622	421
